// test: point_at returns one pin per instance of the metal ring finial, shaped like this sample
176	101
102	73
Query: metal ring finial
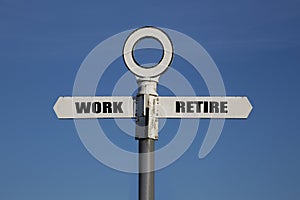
134	38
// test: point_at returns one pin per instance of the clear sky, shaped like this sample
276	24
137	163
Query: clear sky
256	46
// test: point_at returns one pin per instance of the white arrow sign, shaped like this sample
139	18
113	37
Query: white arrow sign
94	107
166	107
203	107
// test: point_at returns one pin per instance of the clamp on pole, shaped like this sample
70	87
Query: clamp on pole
146	120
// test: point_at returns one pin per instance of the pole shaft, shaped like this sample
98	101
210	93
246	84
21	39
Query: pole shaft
146	166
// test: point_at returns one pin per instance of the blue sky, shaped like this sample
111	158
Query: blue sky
256	46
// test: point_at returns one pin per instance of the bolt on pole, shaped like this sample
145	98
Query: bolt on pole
146	100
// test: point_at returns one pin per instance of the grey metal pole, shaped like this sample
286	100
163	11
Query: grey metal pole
146	133
146	179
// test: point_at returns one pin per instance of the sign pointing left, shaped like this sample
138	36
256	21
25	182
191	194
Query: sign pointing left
94	107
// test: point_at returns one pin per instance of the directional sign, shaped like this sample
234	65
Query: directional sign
94	107
166	107
146	107
203	107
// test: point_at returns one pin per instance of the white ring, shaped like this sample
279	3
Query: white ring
134	38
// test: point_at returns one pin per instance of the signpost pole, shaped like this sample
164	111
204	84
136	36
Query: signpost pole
146	100
146	179
146	133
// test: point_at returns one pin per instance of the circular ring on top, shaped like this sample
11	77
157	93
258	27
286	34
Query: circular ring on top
134	38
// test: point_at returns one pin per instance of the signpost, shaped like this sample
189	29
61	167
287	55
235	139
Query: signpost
165	107
147	106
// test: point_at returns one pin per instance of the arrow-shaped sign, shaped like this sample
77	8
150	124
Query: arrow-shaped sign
94	107
203	107
166	107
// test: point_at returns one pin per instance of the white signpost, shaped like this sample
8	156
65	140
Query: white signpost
166	107
147	106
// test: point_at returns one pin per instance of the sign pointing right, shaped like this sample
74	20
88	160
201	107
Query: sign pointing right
203	107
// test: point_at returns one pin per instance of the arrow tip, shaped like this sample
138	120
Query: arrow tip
249	106
56	107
